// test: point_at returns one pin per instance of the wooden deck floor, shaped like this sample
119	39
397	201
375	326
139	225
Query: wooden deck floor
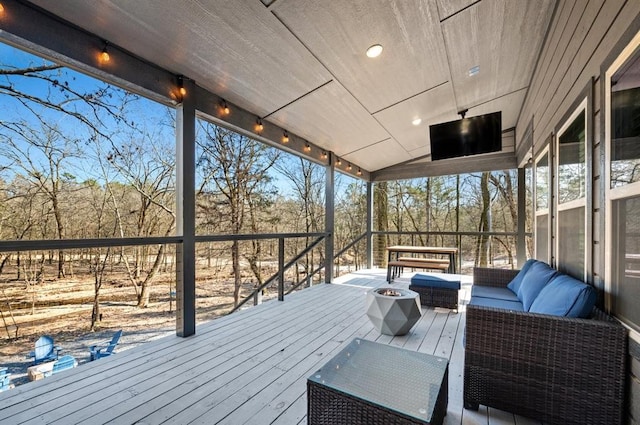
247	368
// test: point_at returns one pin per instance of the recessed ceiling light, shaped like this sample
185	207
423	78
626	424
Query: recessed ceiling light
374	51
474	71
416	121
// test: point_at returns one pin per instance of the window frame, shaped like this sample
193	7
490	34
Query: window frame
542	211
558	207
612	195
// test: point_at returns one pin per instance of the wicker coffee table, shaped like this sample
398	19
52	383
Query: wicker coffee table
372	383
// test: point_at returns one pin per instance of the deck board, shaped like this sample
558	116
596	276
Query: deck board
250	367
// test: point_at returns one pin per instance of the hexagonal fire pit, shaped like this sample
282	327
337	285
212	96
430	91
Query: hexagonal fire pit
393	311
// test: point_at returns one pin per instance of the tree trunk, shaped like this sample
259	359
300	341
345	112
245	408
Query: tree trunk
381	208
59	226
485	221
237	278
18	268
98	276
143	300
510	198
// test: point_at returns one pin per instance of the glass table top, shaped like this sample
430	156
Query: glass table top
395	378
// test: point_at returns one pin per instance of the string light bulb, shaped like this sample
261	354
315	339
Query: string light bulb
338	161
259	125
307	147
285	137
225	107
104	56
359	172
349	167
324	155
181	88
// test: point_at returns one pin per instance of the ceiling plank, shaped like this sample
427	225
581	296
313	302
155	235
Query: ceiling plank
339	33
432	107
332	118
379	155
502	38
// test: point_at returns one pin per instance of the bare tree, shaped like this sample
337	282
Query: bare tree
147	163
504	184
42	154
235	168
484	224
42	103
307	181
350	220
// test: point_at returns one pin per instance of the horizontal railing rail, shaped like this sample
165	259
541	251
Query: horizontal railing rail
48	244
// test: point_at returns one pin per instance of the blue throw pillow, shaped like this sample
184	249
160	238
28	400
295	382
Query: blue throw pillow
538	275
565	296
514	285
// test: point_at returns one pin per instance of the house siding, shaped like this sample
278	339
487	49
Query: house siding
583	38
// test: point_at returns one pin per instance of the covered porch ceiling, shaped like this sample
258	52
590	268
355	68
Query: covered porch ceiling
301	65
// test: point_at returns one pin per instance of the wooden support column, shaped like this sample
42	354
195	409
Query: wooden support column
329	223
185	213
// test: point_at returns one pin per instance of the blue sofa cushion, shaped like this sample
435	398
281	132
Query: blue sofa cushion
514	285
536	278
492	302
493	292
565	296
442	280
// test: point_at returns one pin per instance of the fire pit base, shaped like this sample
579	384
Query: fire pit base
393	311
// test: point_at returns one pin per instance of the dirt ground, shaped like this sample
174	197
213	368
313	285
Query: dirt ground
62	309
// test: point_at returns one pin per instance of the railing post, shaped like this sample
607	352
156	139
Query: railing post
459	265
257	298
280	269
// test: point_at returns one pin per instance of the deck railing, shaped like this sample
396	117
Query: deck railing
502	250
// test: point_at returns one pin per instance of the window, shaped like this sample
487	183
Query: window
542	207
571	189
622	132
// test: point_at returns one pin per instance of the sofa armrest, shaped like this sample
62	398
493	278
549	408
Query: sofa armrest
493	277
551	368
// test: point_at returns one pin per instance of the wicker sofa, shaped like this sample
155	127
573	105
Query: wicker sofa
556	369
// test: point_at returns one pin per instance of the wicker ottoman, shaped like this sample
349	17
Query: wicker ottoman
437	290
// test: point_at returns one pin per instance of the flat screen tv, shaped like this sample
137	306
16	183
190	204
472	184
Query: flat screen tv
468	136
